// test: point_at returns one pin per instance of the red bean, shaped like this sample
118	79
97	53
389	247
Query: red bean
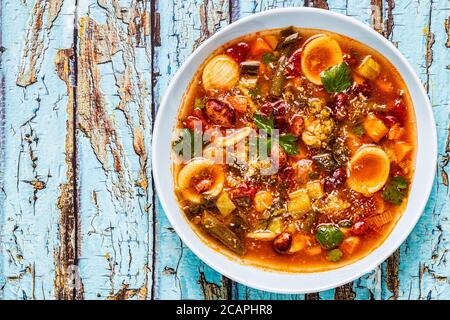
242	191
278	155
239	51
296	127
340	106
282	242
293	66
220	112
359	228
336	180
399	110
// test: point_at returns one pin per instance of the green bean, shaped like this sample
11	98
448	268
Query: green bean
222	233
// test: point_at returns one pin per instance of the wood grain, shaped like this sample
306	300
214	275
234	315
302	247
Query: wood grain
80	85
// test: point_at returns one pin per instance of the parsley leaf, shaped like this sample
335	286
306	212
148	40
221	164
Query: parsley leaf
337	78
268	58
395	190
263	122
289	144
359	130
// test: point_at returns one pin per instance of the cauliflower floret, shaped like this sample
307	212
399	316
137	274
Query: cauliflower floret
319	126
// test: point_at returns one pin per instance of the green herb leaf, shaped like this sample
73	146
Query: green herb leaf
263	122
199	103
268	58
359	130
337	78
334	255
395	190
289	144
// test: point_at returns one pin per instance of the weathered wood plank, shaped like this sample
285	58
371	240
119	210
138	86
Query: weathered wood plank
184	24
420	270
32	130
114	119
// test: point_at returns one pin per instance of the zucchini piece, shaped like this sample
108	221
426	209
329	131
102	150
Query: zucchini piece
250	68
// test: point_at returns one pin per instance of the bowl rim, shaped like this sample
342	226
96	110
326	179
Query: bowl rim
248	274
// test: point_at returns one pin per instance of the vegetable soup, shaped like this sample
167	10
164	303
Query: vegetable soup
294	150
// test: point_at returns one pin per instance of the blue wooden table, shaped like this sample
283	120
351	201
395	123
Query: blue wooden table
80	84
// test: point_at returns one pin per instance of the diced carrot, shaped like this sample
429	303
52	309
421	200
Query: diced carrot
375	127
401	150
396	132
259	47
239	103
272	41
349	245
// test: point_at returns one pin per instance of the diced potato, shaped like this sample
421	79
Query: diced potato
276	225
369	68
300	203
313	251
262	235
353	143
224	204
315	189
239	103
375	127
259	47
272	41
396	132
401	150
349	245
263	200
299	242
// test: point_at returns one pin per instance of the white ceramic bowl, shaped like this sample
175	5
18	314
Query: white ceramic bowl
295	282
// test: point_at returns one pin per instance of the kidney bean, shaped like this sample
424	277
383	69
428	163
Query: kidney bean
399	110
293	66
267	108
359	228
239	51
296	127
334	181
282	242
278	155
339	107
388	120
220	112
279	108
363	88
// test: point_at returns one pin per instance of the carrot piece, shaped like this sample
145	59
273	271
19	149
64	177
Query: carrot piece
272	41
375	127
396	132
401	150
349	245
260	46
